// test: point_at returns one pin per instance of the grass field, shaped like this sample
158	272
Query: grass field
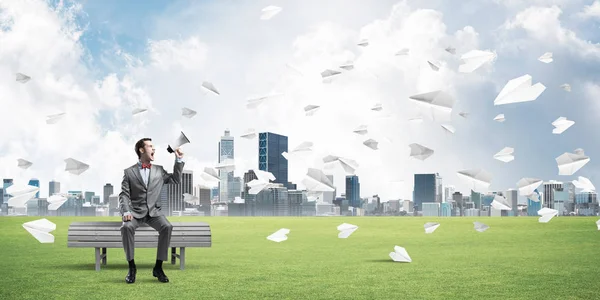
517	258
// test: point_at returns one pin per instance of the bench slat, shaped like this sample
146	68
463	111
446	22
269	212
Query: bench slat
137	245
141	233
118	224
137	239
175	228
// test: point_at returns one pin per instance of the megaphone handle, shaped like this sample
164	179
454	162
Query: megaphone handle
170	149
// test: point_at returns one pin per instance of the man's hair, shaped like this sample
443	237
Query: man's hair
140	144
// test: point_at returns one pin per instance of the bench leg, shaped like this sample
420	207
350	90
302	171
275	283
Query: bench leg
173	252
104	256
97	259
181	258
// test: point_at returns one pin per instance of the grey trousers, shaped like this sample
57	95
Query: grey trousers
159	223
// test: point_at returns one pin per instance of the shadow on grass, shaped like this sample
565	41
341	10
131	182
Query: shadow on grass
380	261
122	266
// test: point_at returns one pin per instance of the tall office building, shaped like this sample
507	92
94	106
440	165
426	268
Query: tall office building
534	206
88	196
425	189
549	192
561	199
234	189
5	184
35	182
270	147
53	188
457	197
512	197
439	189
203	194
586	204
176	191
476	198
226	151
107	190
353	190
448	191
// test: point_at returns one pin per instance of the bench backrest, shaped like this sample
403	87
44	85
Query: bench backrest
108	235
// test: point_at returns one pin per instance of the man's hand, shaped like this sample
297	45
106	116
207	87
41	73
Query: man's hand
178	153
127	217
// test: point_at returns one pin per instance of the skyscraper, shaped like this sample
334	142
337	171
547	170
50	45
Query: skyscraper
448	191
534	206
439	190
5	184
425	189
226	151
53	187
35	182
476	198
328	197
176	191
512	197
353	190
270	147
549	192
107	191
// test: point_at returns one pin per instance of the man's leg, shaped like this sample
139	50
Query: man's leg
164	228
128	236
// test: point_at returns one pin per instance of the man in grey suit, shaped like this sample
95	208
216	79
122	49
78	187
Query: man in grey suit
139	202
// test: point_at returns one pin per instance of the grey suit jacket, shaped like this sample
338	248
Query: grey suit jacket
139	199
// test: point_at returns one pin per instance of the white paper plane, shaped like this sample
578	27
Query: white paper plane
419	151
499	118
227	165
40	230
279	235
546	58
269	12
479	180
329	73
480	226
208	86
53	119
598	224
403	51
451	50
138	111
56	201
519	90
345	230
262	181
547	214
501	203
474	59
349	65
566	87
585	184
310	110
463	114
21	194
417	120
331	161
434	65
191	199
316	181
561	124
535	197
188	113
371	143
239	200
363	43
377	107
75	167
362	130
22	78
437	105
430	227
303	147
569	163
249	134
210	174
23	164
400	255
527	186
257	101
505	155
449	128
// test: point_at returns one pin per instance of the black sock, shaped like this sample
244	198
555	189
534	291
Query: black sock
131	264
158	264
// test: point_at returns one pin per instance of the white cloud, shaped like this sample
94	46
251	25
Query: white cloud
591	11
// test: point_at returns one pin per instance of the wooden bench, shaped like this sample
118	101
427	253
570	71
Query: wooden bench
102	235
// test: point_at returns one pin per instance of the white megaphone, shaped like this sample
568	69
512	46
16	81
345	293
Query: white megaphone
180	141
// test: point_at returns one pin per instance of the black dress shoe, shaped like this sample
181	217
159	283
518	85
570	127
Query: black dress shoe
130	278
158	273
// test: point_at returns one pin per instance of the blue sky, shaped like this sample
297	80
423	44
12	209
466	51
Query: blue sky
175	45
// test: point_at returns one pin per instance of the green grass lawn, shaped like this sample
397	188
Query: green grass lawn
517	258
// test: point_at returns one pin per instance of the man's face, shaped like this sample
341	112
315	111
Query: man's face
147	151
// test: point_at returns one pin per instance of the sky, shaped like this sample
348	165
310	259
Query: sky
96	61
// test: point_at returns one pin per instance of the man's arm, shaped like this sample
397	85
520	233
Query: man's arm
124	196
175	177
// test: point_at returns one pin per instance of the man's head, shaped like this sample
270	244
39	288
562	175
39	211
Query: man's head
144	149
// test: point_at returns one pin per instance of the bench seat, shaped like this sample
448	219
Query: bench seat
103	235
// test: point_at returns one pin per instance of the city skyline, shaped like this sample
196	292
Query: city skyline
100	74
